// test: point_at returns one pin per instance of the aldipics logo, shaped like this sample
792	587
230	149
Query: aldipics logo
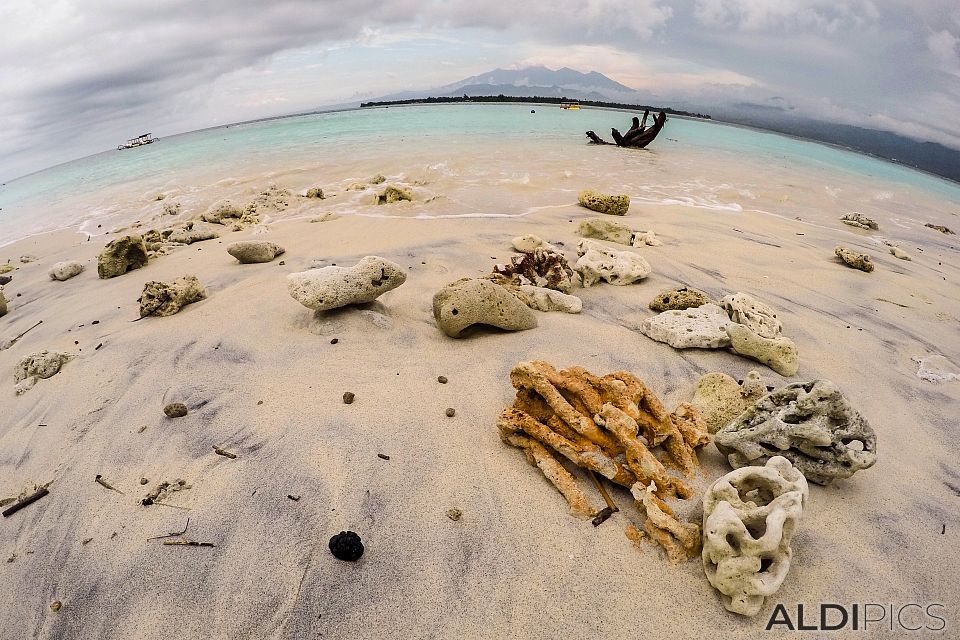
868	616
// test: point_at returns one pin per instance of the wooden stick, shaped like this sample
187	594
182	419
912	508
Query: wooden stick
39	322
188	543
172	535
603	492
225	454
25	502
106	485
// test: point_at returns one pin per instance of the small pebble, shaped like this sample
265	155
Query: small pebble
175	410
281	263
454	514
55	606
451	412
383	456
442	379
95	322
259	402
335	341
293	497
86	541
346	545
348	397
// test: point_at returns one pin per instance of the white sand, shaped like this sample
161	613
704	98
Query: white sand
516	564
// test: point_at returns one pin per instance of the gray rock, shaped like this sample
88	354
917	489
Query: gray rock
192	232
679	299
254	251
703	328
853	259
332	287
121	255
167	298
530	243
900	253
34	367
543	299
602	203
65	270
750	312
811	424
859	220
780	354
473	301
598	262
749	518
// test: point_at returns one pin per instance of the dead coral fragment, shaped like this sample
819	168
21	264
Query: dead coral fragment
165	299
541	268
607	425
391	194
680	540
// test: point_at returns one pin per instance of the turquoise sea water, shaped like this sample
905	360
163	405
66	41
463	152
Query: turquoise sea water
73	193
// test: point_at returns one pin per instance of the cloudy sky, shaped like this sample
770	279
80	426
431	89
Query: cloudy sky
79	76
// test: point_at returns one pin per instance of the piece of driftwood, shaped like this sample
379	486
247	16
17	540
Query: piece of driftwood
25	502
106	485
224	453
172	534
188	543
637	136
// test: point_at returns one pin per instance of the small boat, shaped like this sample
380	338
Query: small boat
573	106
139	141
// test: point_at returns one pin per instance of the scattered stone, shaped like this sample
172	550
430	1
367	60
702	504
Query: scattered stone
859	220
174	410
315	192
450	412
749	518
605	229
3	305
55	606
254	251
529	243
454	514
229	214
900	253
679	299
357	186
597	263
378	179
811	424
940	228
26	259
144	481
937	368
780	354
853	259
543	299
750	312
324	217
540	268
393	193
383	456
332	287
471	301
602	203
171	208
5	280
65	270
335	341
703	328
6	268
121	255
720	398
37	366
167	298
442	379
648	238
346	545
348	397
190	232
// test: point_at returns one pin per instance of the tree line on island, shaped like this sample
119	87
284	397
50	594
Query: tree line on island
532	100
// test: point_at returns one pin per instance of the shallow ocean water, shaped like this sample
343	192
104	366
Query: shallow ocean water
475	160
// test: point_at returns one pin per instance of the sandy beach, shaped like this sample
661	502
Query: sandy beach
262	378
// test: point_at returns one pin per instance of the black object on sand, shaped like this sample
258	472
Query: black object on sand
346	545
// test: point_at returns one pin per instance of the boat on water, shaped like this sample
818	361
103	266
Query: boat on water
570	106
139	141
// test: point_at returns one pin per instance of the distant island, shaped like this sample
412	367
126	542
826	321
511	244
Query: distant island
533	100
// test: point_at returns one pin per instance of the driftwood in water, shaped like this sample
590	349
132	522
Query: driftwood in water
637	136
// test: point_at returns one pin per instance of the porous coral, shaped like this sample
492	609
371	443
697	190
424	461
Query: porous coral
749	518
167	298
541	268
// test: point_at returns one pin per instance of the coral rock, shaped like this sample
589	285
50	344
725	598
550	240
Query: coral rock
750	312
325	217
900	253
332	287
602	203
597	263
393	193
780	354
253	251
34	367
121	255
65	270
175	410
859	220
648	238
853	259
315	192
3	303
940	228
6	268
543	299
167	298
605	229
811	424
468	302
541	268
530	243
749	518
191	232
721	399
679	299
704	327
